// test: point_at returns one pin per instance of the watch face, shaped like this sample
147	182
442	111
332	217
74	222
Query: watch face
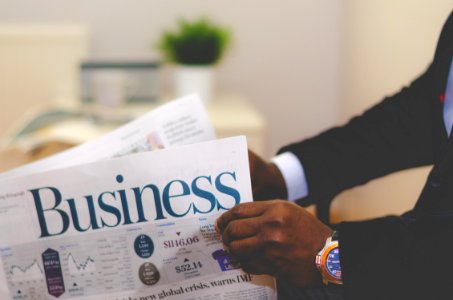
333	263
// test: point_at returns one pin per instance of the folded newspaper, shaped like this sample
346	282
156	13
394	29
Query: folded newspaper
106	225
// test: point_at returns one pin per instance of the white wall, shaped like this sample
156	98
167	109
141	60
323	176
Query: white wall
386	45
284	57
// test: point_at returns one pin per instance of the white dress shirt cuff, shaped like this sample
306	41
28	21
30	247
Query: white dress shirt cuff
293	173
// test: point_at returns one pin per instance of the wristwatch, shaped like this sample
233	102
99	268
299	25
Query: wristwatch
328	261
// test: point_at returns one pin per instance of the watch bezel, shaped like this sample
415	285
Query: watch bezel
321	260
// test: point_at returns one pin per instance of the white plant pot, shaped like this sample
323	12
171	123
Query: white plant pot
195	79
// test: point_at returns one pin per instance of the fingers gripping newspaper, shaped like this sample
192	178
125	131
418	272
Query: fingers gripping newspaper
140	226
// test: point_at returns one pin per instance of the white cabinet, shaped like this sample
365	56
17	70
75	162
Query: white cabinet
232	116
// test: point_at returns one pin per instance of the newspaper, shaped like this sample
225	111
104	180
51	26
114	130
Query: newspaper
179	122
137	226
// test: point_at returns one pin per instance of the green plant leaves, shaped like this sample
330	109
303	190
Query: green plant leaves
199	42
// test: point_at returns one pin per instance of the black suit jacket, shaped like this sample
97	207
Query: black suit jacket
400	257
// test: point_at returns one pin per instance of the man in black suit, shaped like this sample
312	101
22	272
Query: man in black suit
396	257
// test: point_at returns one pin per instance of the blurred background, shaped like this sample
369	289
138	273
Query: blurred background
297	66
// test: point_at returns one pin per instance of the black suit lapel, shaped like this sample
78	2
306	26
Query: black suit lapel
436	192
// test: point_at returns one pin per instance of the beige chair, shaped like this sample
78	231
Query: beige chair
39	67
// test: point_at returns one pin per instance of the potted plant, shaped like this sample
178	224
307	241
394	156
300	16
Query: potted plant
195	47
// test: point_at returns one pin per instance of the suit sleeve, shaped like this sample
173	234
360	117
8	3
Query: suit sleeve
395	134
406	257
397	258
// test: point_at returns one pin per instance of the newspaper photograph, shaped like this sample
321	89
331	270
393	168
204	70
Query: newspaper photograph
179	122
139	226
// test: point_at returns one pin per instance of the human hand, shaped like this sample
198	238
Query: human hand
267	180
275	237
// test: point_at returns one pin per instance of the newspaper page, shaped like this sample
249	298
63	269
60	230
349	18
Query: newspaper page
135	227
179	122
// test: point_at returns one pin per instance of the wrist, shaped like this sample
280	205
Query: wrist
277	182
267	180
